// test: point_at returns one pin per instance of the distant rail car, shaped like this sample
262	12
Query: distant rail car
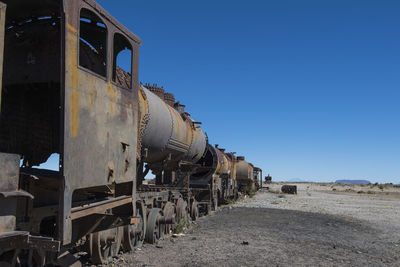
63	92
289	189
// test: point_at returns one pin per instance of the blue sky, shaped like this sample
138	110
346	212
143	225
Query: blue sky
303	89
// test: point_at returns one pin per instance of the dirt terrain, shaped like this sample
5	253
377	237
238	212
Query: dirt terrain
318	227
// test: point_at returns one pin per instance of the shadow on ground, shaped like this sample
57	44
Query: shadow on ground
272	237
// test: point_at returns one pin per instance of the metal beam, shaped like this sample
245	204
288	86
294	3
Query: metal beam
99	207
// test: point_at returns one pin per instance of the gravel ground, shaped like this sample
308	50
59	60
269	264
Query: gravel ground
314	228
376	206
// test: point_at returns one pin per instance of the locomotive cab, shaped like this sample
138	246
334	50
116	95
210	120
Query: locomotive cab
65	90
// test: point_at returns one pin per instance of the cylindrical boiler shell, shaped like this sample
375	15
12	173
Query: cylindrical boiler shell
244	171
165	133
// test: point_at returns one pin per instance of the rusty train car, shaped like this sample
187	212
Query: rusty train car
63	92
215	179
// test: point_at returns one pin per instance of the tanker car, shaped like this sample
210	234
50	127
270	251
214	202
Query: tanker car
63	92
247	176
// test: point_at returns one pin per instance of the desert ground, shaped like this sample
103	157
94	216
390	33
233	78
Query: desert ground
323	225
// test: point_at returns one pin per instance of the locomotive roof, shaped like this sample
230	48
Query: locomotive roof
113	20
39	8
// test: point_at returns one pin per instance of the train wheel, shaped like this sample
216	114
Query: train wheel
194	212
133	235
181	210
154	230
105	244
169	211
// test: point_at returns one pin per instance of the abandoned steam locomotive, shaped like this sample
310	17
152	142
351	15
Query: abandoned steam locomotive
63	92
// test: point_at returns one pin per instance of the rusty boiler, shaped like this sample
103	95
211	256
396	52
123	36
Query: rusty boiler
168	134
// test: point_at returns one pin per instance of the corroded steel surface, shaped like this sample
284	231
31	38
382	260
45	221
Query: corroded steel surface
101	119
245	175
167	134
215	180
244	170
224	164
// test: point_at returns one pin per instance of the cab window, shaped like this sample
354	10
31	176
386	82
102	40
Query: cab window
122	70
93	43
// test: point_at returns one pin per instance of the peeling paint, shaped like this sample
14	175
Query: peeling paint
72	39
75	113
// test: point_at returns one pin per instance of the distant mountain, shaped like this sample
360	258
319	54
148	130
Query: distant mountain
352	182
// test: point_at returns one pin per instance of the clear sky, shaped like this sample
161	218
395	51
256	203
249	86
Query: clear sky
304	89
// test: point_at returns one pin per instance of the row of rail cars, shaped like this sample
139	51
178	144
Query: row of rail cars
63	92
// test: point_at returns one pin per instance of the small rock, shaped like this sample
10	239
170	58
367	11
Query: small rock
158	246
194	238
245	243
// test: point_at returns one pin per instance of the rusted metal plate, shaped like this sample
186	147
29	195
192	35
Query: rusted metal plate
16	194
101	119
44	243
96	223
14	239
22	240
2	25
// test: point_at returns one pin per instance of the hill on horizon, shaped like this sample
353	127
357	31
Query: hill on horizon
352	182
